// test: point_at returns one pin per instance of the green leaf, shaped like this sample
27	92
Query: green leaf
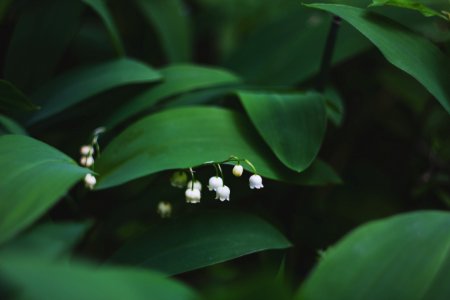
83	83
100	7
34	177
334	106
43	32
407	51
205	239
171	22
402	257
278	55
48	240
177	79
12	98
414	5
38	279
10	126
188	137
293	125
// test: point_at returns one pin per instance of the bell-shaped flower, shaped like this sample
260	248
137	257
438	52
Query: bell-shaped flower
214	183
255	182
90	181
196	185
193	196
238	170
223	193
164	209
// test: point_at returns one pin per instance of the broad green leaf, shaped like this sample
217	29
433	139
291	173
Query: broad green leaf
402	257
171	21
49	240
204	239
37	279
102	10
34	176
190	136
404	49
293	125
414	5
12	98
9	126
39	40
177	79
278	55
80	84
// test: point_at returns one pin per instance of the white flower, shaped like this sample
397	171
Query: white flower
238	170
164	209
193	196
197	185
178	179
255	182
223	193
86	150
87	161
90	181
214	183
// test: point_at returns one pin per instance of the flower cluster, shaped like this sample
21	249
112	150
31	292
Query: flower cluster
87	157
215	183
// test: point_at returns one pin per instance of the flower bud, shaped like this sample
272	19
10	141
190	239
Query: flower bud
86	150
90	181
164	209
87	161
179	179
238	170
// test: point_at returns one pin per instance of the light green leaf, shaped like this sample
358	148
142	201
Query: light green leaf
407	51
409	4
177	79
42	33
34	176
171	22
188	137
12	98
38	279
49	240
10	126
80	84
100	7
293	125
205	239
402	257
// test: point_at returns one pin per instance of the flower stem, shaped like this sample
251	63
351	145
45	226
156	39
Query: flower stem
328	54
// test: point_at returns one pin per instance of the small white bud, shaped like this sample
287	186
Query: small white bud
90	181
192	196
255	182
86	150
223	193
238	170
178	179
197	185
164	209
214	183
87	161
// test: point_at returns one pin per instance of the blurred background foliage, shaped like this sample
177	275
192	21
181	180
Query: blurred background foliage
387	138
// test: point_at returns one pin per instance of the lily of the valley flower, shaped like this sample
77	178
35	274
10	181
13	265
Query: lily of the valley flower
192	195
86	150
90	181
223	193
196	185
87	161
255	182
214	183
238	170
179	179
164	209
